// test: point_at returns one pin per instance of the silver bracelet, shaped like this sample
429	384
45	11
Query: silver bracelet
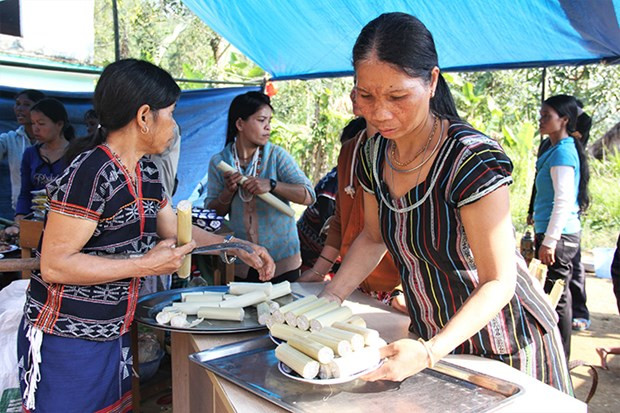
223	255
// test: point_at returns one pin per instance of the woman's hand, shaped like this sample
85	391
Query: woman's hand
257	186
12	231
165	258
403	358
231	180
259	259
530	219
546	255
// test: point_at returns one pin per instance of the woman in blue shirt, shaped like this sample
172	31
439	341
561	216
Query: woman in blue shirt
269	168
45	161
561	194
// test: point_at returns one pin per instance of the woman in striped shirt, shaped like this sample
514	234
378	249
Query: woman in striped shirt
436	197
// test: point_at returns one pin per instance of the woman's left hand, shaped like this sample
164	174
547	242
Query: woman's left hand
257	186
546	255
259	259
403	358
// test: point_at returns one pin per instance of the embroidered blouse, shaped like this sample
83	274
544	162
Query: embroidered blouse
96	188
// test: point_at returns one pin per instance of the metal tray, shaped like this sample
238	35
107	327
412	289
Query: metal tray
149	305
252	365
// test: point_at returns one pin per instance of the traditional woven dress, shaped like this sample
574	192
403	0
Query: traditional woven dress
424	233
73	345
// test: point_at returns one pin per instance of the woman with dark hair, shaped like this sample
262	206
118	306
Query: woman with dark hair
45	161
269	168
14	143
109	225
561	195
436	197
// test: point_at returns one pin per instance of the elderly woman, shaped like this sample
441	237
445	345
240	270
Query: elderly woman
269	169
107	207
436	197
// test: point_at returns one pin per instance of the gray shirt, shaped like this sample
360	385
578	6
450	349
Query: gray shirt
12	145
167	162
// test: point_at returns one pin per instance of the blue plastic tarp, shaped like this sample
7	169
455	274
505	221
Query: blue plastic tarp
314	38
201	114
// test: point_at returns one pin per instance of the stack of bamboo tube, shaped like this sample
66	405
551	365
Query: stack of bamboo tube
219	306
323	340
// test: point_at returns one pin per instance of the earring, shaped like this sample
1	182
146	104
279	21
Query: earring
145	130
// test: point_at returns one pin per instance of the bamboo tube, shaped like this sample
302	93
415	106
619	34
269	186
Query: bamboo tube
356	340
286	332
298	361
245	300
316	350
267	197
280	290
355	362
371	337
327	319
279	313
291	316
219	313
184	234
204	298
340	347
356	320
239	288
185	295
262	313
303	320
325	371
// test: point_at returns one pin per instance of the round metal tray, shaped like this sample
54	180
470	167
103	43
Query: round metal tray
149	305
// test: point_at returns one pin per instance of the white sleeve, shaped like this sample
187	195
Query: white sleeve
563	178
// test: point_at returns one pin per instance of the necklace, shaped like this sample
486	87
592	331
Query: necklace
350	189
430	137
131	176
421	164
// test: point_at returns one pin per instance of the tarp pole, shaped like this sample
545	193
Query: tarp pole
117	45
544	83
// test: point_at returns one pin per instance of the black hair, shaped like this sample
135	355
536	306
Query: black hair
91	114
242	107
403	41
32	94
352	129
55	110
126	85
566	106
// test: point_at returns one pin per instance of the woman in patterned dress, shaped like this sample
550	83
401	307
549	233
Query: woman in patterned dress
436	197
109	204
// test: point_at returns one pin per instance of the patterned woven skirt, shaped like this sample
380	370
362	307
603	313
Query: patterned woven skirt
74	375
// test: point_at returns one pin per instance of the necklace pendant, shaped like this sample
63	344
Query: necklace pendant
349	190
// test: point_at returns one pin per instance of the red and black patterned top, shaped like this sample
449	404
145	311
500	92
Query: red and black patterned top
96	187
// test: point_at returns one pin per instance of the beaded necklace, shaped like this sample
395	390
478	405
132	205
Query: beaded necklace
252	169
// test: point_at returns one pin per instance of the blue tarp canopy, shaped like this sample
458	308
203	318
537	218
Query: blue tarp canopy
201	114
314	38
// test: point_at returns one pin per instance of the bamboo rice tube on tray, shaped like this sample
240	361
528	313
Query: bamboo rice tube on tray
355	362
303	365
189	308
185	295
219	313
291	316
239	288
314	349
286	332
327	319
303	320
325	371
280	290
278	315
263	312
204	298
356	340
245	300
339	346
184	234
371	337
356	320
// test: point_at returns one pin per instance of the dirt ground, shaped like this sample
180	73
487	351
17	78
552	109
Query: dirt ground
604	332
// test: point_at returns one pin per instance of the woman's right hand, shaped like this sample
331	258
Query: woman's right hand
165	258
530	219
